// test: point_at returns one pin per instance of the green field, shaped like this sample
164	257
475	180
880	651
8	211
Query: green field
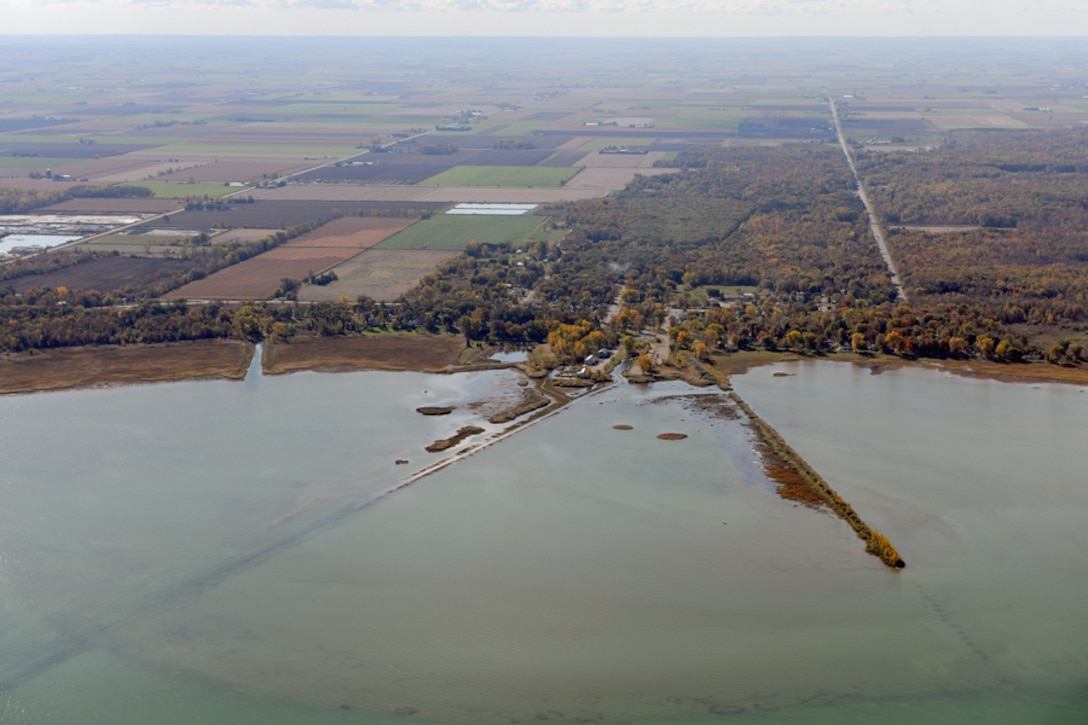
717	119
168	190
518	176
446	231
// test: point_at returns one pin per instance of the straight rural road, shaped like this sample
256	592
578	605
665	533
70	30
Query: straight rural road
874	223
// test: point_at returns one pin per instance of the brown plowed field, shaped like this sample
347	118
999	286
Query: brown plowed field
253	279
313	253
22	182
98	170
15	173
381	274
150	171
352	233
299	253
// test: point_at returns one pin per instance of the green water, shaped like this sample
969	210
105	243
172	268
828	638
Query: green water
211	552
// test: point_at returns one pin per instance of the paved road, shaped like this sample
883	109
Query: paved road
874	223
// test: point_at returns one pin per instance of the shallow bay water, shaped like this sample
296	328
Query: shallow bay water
206	552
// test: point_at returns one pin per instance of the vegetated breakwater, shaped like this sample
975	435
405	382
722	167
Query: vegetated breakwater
802	483
796	479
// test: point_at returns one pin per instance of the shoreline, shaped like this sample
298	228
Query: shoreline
739	363
114	365
106	366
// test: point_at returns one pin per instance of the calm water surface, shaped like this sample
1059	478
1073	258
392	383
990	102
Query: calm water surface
208	552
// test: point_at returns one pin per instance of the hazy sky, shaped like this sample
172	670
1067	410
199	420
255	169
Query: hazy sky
549	17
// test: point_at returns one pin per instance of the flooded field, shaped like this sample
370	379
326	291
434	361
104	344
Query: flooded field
80	224
219	552
33	232
13	242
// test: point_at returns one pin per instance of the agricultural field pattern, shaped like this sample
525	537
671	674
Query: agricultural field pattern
256	169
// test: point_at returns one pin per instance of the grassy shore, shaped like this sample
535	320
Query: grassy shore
102	366
112	365
739	363
415	352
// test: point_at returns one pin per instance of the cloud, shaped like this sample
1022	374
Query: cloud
625	17
711	7
327	4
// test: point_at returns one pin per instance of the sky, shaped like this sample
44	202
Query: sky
651	18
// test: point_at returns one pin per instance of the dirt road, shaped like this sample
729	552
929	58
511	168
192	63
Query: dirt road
874	223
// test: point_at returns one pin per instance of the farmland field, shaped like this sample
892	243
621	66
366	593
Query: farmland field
312	253
267	214
454	232
256	278
563	158
341	194
167	190
526	140
110	167
611	178
30	162
122	206
507	157
225	171
66	149
521	176
104	274
144	245
347	196
350	233
386	168
381	274
625	161
243	235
